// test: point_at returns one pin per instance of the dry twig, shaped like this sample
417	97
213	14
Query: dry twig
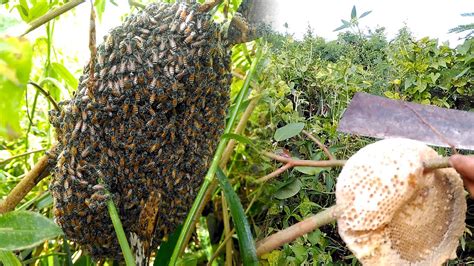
320	144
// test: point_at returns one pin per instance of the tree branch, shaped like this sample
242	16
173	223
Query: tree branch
33	177
293	232
52	14
275	173
320	144
20	155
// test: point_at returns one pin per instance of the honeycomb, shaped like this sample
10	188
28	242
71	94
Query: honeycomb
392	212
146	129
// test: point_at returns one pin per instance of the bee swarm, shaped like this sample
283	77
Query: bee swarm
147	129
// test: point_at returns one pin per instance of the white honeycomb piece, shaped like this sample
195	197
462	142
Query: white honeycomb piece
392	212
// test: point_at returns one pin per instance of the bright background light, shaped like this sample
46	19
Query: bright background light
423	17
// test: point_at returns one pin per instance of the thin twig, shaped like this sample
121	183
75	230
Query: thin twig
293	232
46	94
275	173
52	14
227	232
221	247
326	163
320	144
93	50
33	177
20	155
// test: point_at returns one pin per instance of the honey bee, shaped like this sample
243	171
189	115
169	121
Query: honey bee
172	44
190	38
163	27
77	127
135	109
189	17
138	42
154	57
85	152
152	97
109	42
198	43
131	65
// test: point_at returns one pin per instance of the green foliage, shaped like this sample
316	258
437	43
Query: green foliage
25	229
311	82
288	131
246	242
15	67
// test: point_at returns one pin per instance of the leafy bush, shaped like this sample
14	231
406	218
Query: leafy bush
312	81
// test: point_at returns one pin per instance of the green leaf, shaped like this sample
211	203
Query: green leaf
353	13
365	14
100	8
8	258
309	170
15	68
25	229
289	190
163	255
248	251
463	72
288	131
64	73
341	27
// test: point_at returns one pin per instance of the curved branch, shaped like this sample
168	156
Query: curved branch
52	14
33	177
46	94
20	155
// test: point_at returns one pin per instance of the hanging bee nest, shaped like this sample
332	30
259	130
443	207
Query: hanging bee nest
393	212
145	130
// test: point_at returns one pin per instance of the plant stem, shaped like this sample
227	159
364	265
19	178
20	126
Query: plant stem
46	94
193	212
52	14
127	252
299	229
20	155
320	144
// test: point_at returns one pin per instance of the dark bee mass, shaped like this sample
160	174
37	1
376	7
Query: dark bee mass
146	131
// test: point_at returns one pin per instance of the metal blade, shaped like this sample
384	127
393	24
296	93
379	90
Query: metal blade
379	117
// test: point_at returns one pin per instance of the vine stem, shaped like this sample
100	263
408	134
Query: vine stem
193	214
20	155
46	94
52	14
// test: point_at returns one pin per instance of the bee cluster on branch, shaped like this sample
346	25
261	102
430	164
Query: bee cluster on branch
145	131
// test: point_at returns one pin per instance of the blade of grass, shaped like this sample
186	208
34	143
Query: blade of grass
193	212
8	258
127	252
246	243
